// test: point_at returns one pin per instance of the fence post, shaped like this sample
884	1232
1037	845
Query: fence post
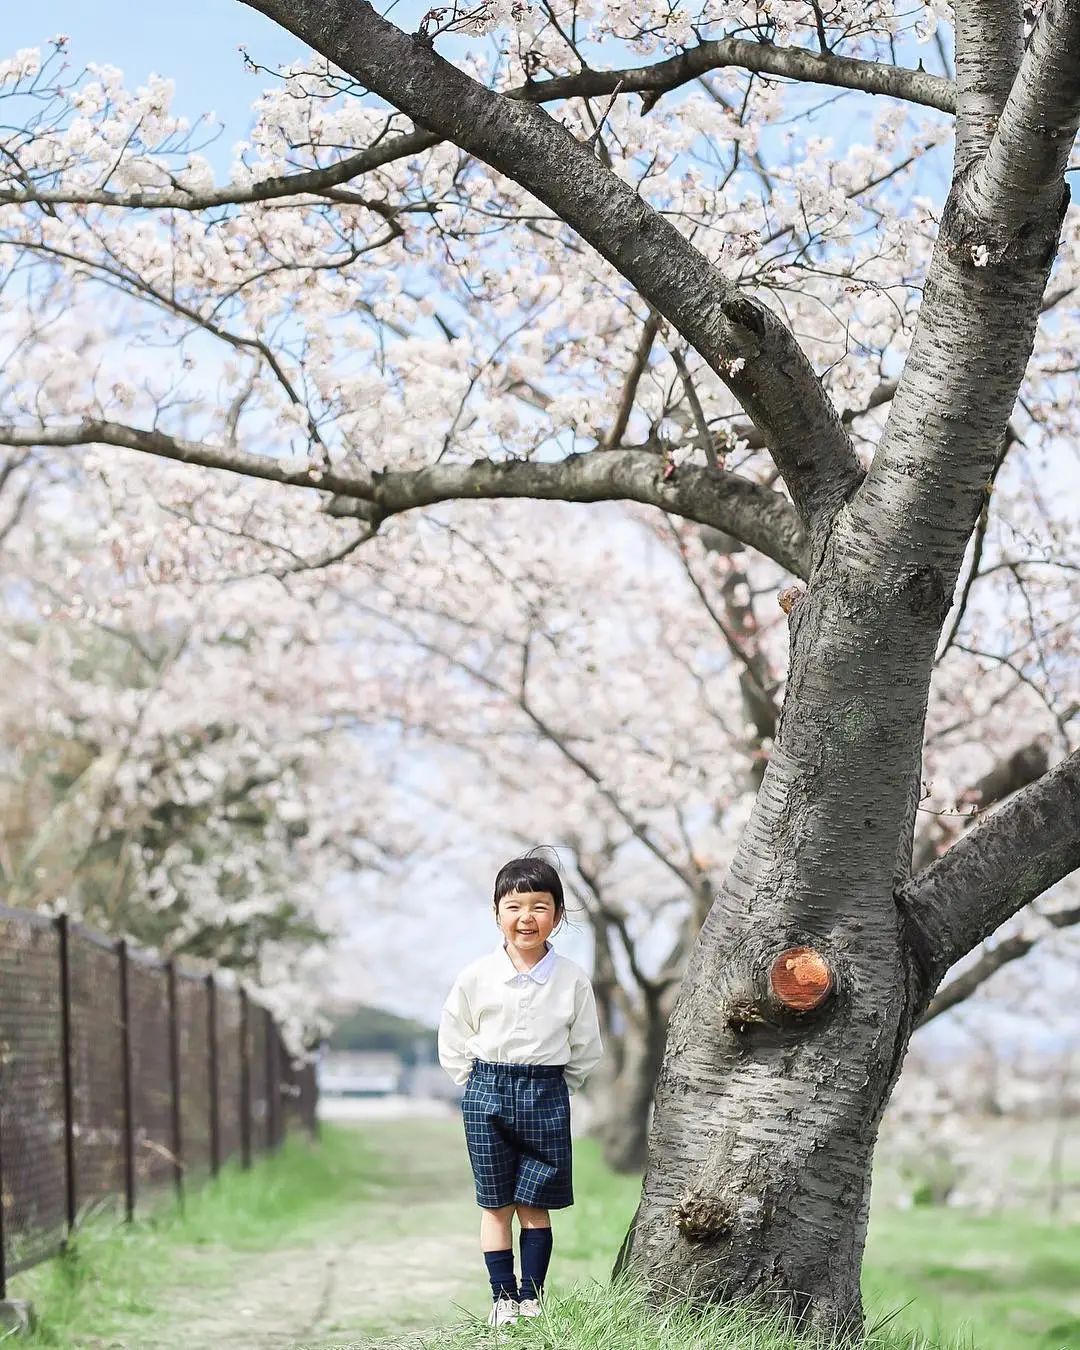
63	933
245	1082
129	1105
174	1080
212	1066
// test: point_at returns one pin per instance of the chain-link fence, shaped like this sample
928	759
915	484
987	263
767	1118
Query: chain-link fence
120	1072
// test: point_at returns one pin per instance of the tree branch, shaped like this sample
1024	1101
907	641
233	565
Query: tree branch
1000	229
305	182
998	866
1020	177
755	683
519	698
1011	438
794	63
989	45
991	960
761	518
617	920
165	446
744	341
618	475
746	431
704	434
649	330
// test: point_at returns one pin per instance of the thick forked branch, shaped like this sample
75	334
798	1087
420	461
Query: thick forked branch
761	518
745	342
989	44
1021	176
991	960
1000	865
871	77
976	327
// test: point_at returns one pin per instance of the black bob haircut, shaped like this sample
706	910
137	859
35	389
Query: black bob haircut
529	874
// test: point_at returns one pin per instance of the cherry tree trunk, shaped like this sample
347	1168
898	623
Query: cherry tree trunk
801	995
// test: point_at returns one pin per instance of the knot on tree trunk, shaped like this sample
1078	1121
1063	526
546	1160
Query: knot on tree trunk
926	594
801	979
785	987
745	313
701	1218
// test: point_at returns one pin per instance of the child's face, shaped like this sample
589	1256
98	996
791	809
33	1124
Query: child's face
527	918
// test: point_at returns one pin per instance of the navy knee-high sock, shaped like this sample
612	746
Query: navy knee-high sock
535	1258
500	1268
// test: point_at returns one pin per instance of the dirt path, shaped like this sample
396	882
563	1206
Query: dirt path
401	1259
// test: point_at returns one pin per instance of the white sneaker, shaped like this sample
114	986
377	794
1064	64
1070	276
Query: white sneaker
504	1313
529	1307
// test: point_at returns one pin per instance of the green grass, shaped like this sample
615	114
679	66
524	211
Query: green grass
1012	1280
108	1278
620	1318
585	1313
392	1201
945	1277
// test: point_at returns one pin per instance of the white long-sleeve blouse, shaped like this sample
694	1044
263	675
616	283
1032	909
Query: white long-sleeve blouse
546	1015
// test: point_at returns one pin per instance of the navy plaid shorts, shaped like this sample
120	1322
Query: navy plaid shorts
517	1127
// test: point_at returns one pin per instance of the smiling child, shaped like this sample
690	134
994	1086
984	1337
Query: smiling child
519	1029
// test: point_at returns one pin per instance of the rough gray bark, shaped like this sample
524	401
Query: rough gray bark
736	1200
989	44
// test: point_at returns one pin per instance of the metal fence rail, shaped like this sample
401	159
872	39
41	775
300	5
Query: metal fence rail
121	1073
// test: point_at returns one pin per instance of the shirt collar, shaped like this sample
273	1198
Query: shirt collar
539	974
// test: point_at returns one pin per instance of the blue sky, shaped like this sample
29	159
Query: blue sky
196	43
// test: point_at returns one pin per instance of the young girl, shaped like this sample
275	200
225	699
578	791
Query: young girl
519	1028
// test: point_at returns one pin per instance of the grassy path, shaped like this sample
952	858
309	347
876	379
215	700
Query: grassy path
392	1255
370	1240
372	1236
